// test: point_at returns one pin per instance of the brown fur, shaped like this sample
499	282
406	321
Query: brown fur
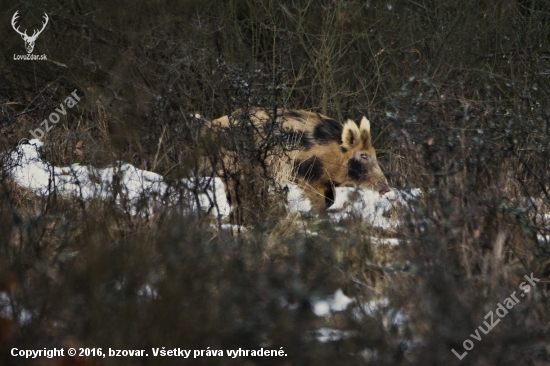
325	153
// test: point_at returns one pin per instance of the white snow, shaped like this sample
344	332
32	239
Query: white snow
385	241
140	189
391	317
297	200
132	186
355	202
7	307
326	334
368	205
233	228
337	302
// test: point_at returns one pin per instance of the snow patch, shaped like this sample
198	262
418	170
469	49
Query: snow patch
385	241
296	199
355	202
130	185
326	334
139	189
337	302
233	228
7	307
368	205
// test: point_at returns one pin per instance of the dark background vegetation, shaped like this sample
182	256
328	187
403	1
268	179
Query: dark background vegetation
458	95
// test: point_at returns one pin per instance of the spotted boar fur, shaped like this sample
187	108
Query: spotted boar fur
325	153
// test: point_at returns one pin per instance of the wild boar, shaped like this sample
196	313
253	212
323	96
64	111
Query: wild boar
324	153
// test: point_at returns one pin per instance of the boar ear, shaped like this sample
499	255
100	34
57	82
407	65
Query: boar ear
350	135
365	132
365	125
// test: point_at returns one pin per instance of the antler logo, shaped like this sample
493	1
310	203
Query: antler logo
29	41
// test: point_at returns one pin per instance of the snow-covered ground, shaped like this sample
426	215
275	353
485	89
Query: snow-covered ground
131	186
334	303
356	202
137	188
325	307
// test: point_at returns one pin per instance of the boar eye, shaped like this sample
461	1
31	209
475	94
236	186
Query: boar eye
365	157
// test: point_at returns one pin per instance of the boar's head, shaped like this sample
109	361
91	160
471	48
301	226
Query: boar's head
362	165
